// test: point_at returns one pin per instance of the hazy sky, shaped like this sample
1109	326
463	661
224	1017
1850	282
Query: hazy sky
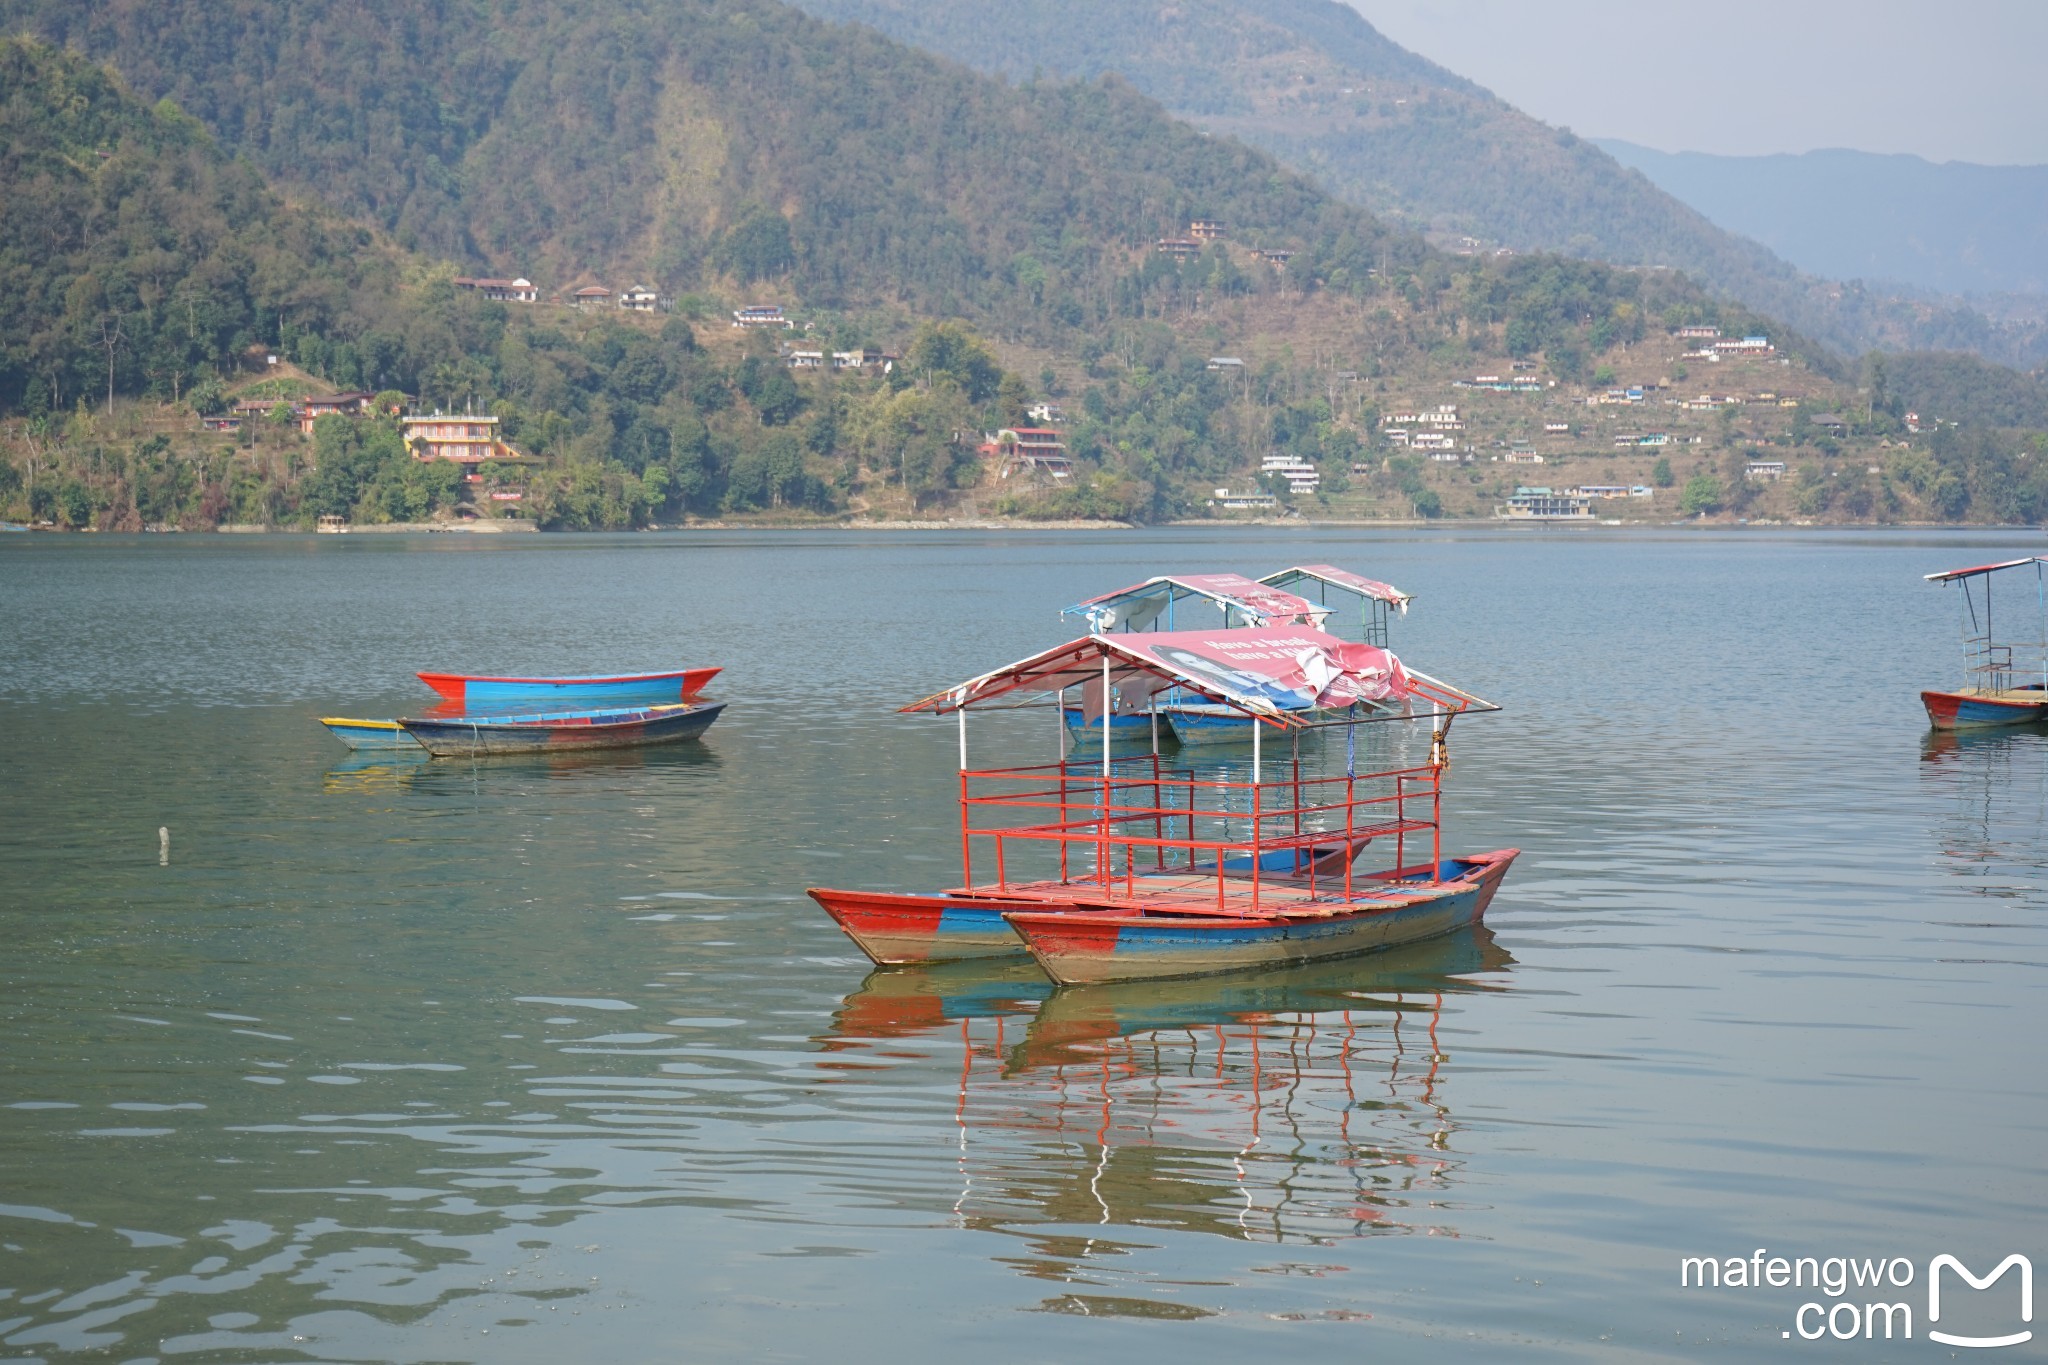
1950	80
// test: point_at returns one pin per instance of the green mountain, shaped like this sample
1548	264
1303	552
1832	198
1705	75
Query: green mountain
686	139
132	251
1315	84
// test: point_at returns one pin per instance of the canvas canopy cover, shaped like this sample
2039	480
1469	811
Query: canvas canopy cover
1343	579
1151	605
1275	674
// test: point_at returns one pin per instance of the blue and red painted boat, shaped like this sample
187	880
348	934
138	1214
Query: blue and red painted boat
2006	681
592	690
560	731
897	928
1130	940
1123	871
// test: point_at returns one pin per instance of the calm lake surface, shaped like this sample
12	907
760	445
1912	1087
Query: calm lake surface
527	1060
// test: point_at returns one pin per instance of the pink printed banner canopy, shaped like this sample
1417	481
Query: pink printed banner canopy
1278	675
1194	600
1343	579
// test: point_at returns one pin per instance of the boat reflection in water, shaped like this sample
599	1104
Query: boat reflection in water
385	770
1300	1105
1997	832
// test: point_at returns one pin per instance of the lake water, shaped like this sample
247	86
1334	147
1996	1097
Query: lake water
552	1060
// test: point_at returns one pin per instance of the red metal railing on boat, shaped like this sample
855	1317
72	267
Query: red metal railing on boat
1147	824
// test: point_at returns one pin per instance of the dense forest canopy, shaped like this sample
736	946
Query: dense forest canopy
667	135
1962	389
132	252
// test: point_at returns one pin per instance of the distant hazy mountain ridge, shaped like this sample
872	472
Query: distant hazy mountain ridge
1953	227
1315	84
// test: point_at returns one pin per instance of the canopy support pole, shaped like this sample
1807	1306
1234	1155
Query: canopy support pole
1102	857
1105	727
962	713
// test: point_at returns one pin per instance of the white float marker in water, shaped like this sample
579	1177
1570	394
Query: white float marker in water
163	845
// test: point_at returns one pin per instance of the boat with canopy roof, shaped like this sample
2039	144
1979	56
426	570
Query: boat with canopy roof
1177	602
1377	602
2005	681
1117	869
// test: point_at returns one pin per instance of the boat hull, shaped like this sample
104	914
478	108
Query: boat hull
1970	710
618	689
1122	725
1130	945
463	737
1206	724
369	734
895	928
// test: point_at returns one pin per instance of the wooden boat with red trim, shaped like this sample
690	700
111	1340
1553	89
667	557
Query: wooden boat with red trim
1166	872
555	732
1156	936
594	689
2007	680
895	928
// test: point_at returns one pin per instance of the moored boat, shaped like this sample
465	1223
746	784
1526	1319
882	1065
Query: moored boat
612	728
1164	872
2006	680
369	734
1185	601
949	926
1169	602
595	689
1132	943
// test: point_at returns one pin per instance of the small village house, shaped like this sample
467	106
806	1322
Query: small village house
1541	504
521	290
311	410
1020	450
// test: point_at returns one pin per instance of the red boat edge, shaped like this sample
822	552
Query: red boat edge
895	929
685	683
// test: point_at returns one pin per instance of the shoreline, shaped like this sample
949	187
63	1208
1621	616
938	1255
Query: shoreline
520	527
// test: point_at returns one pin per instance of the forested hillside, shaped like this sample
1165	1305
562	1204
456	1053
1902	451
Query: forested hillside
1000	239
132	252
1963	390
685	139
1315	84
